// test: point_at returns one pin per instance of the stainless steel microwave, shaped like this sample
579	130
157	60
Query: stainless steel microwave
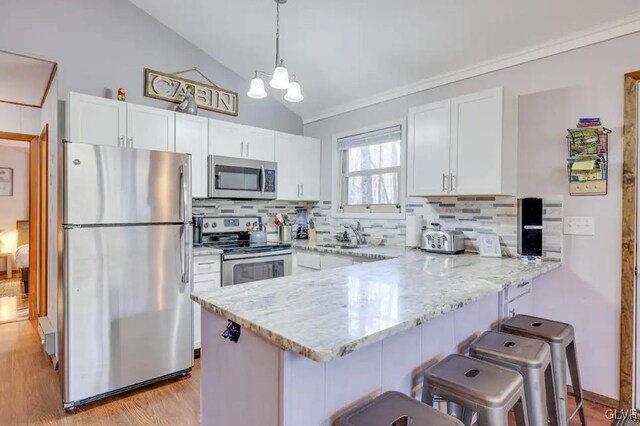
241	178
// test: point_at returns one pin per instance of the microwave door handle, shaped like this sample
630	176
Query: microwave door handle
264	178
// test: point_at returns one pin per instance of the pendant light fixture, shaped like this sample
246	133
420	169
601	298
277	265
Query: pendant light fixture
280	77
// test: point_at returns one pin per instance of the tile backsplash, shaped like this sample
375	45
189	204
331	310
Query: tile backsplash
473	216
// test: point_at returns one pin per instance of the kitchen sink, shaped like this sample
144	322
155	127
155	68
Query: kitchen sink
340	246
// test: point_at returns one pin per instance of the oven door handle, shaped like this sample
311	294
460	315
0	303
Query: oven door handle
264	255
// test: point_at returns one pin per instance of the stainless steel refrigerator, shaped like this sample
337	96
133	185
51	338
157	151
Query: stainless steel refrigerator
124	317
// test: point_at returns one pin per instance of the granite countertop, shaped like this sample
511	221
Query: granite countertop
206	251
380	252
328	314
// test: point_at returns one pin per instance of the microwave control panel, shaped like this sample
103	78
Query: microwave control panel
269	180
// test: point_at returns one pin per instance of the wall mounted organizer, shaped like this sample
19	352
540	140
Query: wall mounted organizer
587	164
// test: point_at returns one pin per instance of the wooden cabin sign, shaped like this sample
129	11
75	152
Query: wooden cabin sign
169	87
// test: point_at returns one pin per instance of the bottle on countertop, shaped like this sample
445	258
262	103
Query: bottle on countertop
312	231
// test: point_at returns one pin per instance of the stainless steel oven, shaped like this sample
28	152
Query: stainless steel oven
241	178
243	268
243	261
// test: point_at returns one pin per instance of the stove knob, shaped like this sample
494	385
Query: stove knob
248	224
214	225
206	224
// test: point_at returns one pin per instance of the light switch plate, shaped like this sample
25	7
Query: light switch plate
579	225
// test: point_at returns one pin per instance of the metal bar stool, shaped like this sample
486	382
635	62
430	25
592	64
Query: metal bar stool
396	409
561	340
532	359
479	387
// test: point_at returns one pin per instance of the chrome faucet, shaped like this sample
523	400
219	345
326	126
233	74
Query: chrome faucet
358	230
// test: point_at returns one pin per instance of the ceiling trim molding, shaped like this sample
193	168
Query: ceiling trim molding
611	30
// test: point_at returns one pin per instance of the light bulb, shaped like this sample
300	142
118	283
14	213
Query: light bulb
256	90
280	78
294	94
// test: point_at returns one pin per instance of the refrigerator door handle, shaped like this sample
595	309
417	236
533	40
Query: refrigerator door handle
185	254
182	194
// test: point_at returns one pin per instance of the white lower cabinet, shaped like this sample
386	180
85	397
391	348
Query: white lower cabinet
206	276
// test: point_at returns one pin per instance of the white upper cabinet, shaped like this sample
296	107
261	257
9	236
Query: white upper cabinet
428	149
95	120
259	143
192	138
150	128
239	141
225	139
475	154
298	159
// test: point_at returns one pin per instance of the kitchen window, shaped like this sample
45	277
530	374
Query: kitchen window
371	165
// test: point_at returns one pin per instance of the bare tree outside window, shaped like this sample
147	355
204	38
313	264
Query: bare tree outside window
371	167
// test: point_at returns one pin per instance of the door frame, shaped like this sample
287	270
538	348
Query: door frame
38	185
628	301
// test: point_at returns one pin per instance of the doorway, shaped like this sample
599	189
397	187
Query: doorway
23	242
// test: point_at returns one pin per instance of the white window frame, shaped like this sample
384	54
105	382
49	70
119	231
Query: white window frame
336	173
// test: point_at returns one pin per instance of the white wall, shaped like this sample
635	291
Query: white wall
554	92
14	155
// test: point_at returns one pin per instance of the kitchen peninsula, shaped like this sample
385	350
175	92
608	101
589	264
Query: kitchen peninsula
312	345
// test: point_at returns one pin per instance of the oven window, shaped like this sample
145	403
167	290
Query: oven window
237	178
262	270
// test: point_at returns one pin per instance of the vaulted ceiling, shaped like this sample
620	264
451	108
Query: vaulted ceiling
348	53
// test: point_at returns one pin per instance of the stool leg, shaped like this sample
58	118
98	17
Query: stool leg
559	367
456	410
427	395
572	359
552	406
493	417
467	417
520	410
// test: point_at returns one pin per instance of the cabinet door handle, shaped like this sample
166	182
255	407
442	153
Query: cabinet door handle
241	149
298	190
130	142
247	149
121	141
445	186
454	179
302	189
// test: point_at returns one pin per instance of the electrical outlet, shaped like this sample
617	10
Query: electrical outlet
579	225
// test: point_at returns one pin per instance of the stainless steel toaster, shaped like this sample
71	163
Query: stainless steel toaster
438	241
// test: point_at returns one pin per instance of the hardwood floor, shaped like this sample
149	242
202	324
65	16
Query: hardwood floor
14	308
30	392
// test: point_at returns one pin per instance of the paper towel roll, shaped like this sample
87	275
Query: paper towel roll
414	230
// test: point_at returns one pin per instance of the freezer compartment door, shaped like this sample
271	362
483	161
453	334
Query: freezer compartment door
111	185
128	313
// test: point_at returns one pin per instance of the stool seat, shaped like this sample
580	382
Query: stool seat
541	328
395	408
478	381
517	350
